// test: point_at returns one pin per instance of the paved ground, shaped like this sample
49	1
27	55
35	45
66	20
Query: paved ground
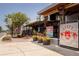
2	33
24	47
61	50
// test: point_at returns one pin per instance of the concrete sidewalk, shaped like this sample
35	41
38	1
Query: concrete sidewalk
24	47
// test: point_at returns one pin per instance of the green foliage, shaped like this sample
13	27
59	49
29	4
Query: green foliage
15	20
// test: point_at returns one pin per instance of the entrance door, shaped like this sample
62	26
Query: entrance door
56	34
56	31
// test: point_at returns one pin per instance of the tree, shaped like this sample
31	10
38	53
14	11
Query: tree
0	29
15	20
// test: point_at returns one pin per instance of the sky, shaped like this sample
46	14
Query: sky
30	9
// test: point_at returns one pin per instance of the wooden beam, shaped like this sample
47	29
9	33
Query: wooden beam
70	5
51	12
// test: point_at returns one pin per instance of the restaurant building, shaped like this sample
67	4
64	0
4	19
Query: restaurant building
65	19
60	22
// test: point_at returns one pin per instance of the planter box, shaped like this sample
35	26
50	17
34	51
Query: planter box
40	41
46	42
34	39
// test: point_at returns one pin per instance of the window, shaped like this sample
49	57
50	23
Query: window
53	17
72	18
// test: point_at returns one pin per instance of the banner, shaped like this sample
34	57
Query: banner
49	31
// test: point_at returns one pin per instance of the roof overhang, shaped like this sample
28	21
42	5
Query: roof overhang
54	8
50	8
35	23
47	8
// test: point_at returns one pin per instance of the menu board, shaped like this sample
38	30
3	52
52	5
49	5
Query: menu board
69	34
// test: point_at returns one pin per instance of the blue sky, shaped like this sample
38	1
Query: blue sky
30	9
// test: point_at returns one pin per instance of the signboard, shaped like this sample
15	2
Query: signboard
69	34
49	31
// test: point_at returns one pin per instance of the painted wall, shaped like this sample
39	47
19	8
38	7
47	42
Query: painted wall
69	34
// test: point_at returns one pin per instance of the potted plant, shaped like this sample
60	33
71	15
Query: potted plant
46	41
40	39
34	38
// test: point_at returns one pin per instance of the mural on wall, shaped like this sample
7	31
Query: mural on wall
69	34
49	31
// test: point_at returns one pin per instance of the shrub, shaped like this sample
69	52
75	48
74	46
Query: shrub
46	40
40	39
34	38
7	37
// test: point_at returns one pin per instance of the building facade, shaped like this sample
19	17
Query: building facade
65	21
